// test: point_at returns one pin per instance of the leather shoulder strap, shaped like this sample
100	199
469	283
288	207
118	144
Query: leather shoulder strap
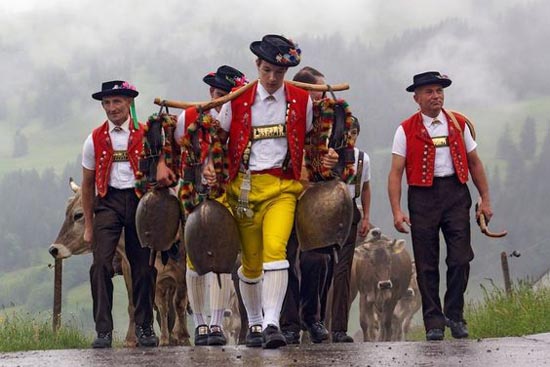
457	125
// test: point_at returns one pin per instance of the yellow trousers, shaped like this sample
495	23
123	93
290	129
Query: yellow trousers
265	235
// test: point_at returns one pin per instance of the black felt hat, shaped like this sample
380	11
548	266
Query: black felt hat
427	78
225	78
277	50
116	88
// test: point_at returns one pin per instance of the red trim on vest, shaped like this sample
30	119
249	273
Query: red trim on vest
239	132
103	151
420	159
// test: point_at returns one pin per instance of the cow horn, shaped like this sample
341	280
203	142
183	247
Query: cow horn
73	185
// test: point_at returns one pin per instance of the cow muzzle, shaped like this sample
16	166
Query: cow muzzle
385	284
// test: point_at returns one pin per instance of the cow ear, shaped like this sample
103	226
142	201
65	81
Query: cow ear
398	246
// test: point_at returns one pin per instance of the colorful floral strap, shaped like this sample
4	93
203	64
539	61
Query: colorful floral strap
317	147
168	147
200	141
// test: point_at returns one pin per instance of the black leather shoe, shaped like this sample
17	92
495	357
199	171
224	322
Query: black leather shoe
201	335
317	332
459	330
291	337
146	336
254	337
273	338
103	340
341	337
435	334
216	336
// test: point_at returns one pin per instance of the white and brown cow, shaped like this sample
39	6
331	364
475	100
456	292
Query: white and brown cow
381	273
170	291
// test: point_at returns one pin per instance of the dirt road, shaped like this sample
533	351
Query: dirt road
530	351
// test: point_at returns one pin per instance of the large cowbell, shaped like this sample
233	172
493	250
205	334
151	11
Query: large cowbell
323	215
157	219
212	238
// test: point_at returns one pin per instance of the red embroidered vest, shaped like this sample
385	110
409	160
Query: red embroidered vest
241	125
103	150
420	159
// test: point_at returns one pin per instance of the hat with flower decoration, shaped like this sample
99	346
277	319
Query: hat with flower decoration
116	88
277	50
427	78
225	78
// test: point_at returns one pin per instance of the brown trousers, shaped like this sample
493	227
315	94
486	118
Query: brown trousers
445	207
114	212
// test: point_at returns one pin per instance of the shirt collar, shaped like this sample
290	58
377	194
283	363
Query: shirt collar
263	94
125	125
427	120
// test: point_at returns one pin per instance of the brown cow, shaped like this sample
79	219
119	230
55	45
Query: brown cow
170	291
381	273
406	308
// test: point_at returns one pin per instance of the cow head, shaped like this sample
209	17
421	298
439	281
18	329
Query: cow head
379	250
70	240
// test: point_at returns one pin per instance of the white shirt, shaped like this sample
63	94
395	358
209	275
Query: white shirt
179	132
365	177
266	153
443	165
122	175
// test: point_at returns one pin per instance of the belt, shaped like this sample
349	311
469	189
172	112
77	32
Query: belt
444	177
277	172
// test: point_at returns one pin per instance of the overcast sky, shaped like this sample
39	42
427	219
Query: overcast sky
370	20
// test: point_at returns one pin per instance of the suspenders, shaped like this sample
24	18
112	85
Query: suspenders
359	174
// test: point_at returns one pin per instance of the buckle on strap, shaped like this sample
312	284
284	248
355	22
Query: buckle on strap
120	156
243	210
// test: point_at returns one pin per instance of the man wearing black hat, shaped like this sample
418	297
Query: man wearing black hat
436	148
110	165
221	82
267	125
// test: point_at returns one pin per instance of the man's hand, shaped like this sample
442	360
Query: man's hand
364	227
165	176
330	159
484	206
398	222
209	173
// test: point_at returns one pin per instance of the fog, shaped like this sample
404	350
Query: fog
55	54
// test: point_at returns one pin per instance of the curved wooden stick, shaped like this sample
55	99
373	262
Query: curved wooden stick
231	96
209	104
483	225
320	87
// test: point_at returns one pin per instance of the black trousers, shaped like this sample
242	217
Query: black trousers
445	207
342	276
308	282
114	212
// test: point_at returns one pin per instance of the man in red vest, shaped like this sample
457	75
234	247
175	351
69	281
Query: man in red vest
110	165
267	126
221	83
436	149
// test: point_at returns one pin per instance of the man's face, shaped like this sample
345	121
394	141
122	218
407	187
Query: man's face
117	108
271	76
217	93
430	98
316	95
353	134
